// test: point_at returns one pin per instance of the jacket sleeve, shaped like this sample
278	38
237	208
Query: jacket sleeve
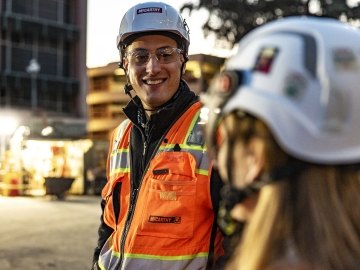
104	233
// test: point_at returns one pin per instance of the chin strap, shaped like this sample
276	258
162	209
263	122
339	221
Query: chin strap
229	198
127	89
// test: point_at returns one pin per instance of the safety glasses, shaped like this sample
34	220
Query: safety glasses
140	57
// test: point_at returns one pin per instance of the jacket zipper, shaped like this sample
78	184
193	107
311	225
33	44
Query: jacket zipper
145	146
133	199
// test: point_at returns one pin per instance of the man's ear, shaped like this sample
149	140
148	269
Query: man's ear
183	68
125	64
255	159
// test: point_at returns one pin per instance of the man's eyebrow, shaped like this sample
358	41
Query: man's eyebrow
139	49
163	47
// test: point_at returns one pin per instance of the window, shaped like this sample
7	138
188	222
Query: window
20	58
23	7
48	62
48	9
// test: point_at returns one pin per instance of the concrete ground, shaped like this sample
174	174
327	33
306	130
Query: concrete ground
43	233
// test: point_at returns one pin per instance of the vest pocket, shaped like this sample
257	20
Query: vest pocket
169	200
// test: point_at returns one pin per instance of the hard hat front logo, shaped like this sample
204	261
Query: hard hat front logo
149	10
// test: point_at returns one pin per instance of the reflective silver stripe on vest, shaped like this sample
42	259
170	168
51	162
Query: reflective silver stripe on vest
119	161
202	160
108	259
145	262
194	144
120	132
193	262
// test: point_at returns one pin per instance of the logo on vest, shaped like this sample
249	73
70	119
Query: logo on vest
149	10
168	195
160	219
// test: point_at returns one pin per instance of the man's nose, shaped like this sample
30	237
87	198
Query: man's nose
153	65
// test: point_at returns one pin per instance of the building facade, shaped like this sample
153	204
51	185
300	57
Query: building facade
43	84
43	57
105	100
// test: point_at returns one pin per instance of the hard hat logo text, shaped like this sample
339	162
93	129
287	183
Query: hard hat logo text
149	10
160	219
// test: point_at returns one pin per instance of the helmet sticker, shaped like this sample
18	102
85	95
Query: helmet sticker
344	59
149	10
265	59
337	110
295	84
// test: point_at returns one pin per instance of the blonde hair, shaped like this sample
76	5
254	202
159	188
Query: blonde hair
316	214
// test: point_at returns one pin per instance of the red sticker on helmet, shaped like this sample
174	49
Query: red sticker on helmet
265	60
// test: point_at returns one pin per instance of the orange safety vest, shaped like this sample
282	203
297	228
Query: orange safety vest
168	225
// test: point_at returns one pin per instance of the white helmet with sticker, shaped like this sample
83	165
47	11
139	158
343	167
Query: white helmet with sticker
301	76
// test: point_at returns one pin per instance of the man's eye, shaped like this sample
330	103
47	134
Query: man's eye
141	56
165	54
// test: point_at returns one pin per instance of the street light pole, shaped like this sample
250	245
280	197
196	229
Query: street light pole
33	69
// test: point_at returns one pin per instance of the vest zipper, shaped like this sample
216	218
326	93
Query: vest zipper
132	203
145	146
130	214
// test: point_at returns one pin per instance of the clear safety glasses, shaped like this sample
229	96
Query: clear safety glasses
140	57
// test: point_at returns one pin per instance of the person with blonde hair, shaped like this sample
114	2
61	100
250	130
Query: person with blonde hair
283	125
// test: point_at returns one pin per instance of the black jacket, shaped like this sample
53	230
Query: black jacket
144	138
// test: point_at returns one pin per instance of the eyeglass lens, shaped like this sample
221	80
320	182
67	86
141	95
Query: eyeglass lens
141	57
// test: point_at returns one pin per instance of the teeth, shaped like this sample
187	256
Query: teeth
153	81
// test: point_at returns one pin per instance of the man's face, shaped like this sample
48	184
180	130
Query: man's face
154	82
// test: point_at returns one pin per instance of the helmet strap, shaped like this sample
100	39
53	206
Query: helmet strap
127	89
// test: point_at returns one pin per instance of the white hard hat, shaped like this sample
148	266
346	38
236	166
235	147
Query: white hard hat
301	76
153	17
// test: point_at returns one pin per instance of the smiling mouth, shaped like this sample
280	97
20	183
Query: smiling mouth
153	82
